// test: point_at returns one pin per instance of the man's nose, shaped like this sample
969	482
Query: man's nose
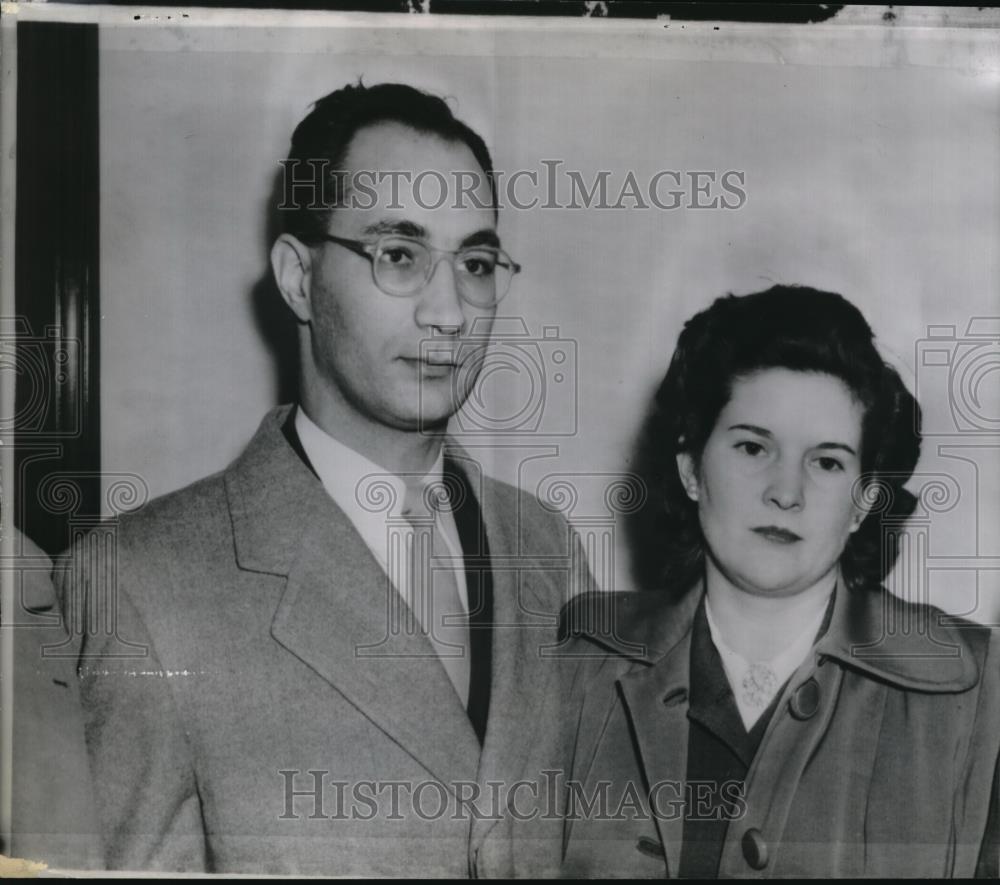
439	303
786	486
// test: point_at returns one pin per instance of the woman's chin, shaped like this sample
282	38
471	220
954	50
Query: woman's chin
776	584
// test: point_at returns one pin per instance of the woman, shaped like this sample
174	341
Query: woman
775	711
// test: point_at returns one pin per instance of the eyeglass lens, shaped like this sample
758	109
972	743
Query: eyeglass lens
403	266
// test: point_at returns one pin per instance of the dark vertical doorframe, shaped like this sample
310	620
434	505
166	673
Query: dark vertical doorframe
57	436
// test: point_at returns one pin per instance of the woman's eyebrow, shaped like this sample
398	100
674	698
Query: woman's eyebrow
753	428
763	431
836	445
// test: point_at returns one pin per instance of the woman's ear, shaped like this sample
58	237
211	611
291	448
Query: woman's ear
291	262
858	517
861	507
688	472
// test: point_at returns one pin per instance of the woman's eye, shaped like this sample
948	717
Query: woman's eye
751	448
830	465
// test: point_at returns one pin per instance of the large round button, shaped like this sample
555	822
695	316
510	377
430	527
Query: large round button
805	701
755	848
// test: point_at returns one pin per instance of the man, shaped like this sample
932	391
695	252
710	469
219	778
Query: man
338	676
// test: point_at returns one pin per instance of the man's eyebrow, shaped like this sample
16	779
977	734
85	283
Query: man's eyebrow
763	431
485	237
402	228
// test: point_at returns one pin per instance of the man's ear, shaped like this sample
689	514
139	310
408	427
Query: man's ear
291	262
688	472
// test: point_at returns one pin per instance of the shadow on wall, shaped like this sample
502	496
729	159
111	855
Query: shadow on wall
645	527
275	322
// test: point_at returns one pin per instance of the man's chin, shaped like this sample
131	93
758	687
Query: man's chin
433	424
430	418
435	408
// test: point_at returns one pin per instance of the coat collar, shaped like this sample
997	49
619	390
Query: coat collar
642	626
915	647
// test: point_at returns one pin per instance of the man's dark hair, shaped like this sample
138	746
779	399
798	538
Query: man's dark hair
792	327
326	134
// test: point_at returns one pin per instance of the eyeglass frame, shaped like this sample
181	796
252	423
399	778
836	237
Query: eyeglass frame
369	250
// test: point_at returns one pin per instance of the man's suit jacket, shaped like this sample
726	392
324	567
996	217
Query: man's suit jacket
273	723
52	812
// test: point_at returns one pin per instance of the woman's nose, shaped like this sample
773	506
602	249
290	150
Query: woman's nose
786	487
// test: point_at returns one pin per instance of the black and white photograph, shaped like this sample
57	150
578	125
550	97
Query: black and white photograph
530	440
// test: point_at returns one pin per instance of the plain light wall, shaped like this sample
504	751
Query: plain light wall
866	172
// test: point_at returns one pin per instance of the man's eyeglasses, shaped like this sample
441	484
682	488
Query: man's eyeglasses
402	266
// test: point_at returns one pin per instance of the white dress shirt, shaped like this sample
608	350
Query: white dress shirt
356	485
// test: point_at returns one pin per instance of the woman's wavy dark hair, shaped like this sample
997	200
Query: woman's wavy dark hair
792	327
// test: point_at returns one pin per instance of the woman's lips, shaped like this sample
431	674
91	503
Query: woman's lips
776	534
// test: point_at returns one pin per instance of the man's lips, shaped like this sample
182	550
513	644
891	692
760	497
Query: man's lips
439	358
777	534
441	355
432	361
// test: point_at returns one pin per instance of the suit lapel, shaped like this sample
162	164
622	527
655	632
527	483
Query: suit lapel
339	614
336	615
523	625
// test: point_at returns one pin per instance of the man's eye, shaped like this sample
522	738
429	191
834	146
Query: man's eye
397	255
750	447
479	264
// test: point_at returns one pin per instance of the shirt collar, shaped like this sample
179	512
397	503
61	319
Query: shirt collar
365	491
713	701
788	659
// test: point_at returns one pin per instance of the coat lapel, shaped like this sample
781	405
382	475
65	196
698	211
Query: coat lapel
339	613
654	633
657	701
